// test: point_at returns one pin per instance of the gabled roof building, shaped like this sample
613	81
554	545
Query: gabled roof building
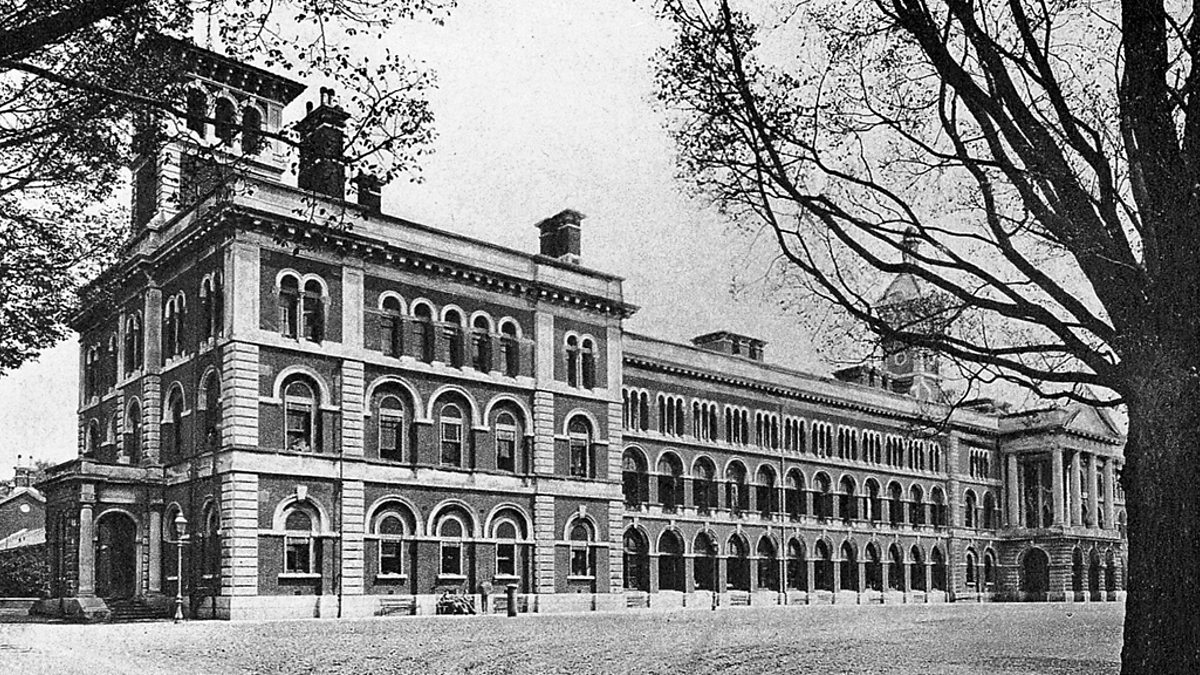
357	416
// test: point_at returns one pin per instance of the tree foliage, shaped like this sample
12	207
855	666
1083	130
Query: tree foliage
78	77
1044	155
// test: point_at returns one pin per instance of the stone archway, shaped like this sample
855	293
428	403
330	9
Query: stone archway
116	555
1035	574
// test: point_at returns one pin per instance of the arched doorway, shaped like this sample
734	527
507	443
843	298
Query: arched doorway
670	562
637	561
704	563
1094	574
738	564
1035	574
823	569
116	553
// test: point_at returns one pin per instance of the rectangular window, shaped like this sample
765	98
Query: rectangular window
390	557
581	561
579	459
506	451
391	437
313	330
289	319
506	559
297	555
389	337
451	444
299	429
452	558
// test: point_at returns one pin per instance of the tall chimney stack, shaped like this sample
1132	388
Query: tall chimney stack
560	236
322	143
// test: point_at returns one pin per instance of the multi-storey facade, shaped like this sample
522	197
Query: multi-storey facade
357	414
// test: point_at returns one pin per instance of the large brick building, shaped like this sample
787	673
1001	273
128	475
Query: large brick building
355	413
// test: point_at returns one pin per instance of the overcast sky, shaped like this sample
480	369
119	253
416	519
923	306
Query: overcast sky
539	108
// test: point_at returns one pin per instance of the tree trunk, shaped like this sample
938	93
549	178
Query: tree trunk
1161	480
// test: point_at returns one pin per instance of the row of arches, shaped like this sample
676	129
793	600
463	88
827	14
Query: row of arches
744	567
420	330
228	120
774	431
705	489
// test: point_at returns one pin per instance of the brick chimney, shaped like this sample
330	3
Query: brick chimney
733	344
369	190
322	142
560	236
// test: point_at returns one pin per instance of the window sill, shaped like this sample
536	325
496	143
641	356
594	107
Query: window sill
299	575
579	577
391	578
451	577
506	577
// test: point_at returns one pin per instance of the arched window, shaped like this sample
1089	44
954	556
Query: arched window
390	323
299	541
507	433
704	486
634	480
211	399
938	507
795	502
450	422
637	561
251	130
822	497
990	519
423	331
391	429
511	348
579	440
114	426
133	432
847	504
895	503
737	496
314	311
873	502
93	441
451	531
670	483
916	506
895	569
506	534
969	508
765	494
197	111
874	568
581	550
1077	570
572	361
989	570
392	531
210	545
589	364
226	126
972	574
301	416
289	306
212	305
133	343
175	422
453	330
481	344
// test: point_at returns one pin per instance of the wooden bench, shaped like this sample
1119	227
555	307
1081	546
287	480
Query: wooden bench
403	605
739	599
637	600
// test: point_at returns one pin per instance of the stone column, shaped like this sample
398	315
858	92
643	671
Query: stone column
837	577
1013	491
544	551
1091	486
1056	485
1076	491
239	534
154	540
928	579
353	527
862	576
1110	520
87	551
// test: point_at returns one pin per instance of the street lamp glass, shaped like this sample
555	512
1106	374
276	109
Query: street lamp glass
181	524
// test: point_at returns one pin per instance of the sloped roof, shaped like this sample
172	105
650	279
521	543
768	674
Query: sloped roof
32	492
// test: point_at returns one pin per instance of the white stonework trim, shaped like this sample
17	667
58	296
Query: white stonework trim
476	421
436	511
390	379
372	512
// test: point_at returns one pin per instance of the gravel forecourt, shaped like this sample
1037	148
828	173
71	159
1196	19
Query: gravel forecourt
895	639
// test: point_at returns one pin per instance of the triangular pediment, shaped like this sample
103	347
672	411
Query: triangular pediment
1092	421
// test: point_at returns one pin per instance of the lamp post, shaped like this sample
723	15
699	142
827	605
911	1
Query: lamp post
180	535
